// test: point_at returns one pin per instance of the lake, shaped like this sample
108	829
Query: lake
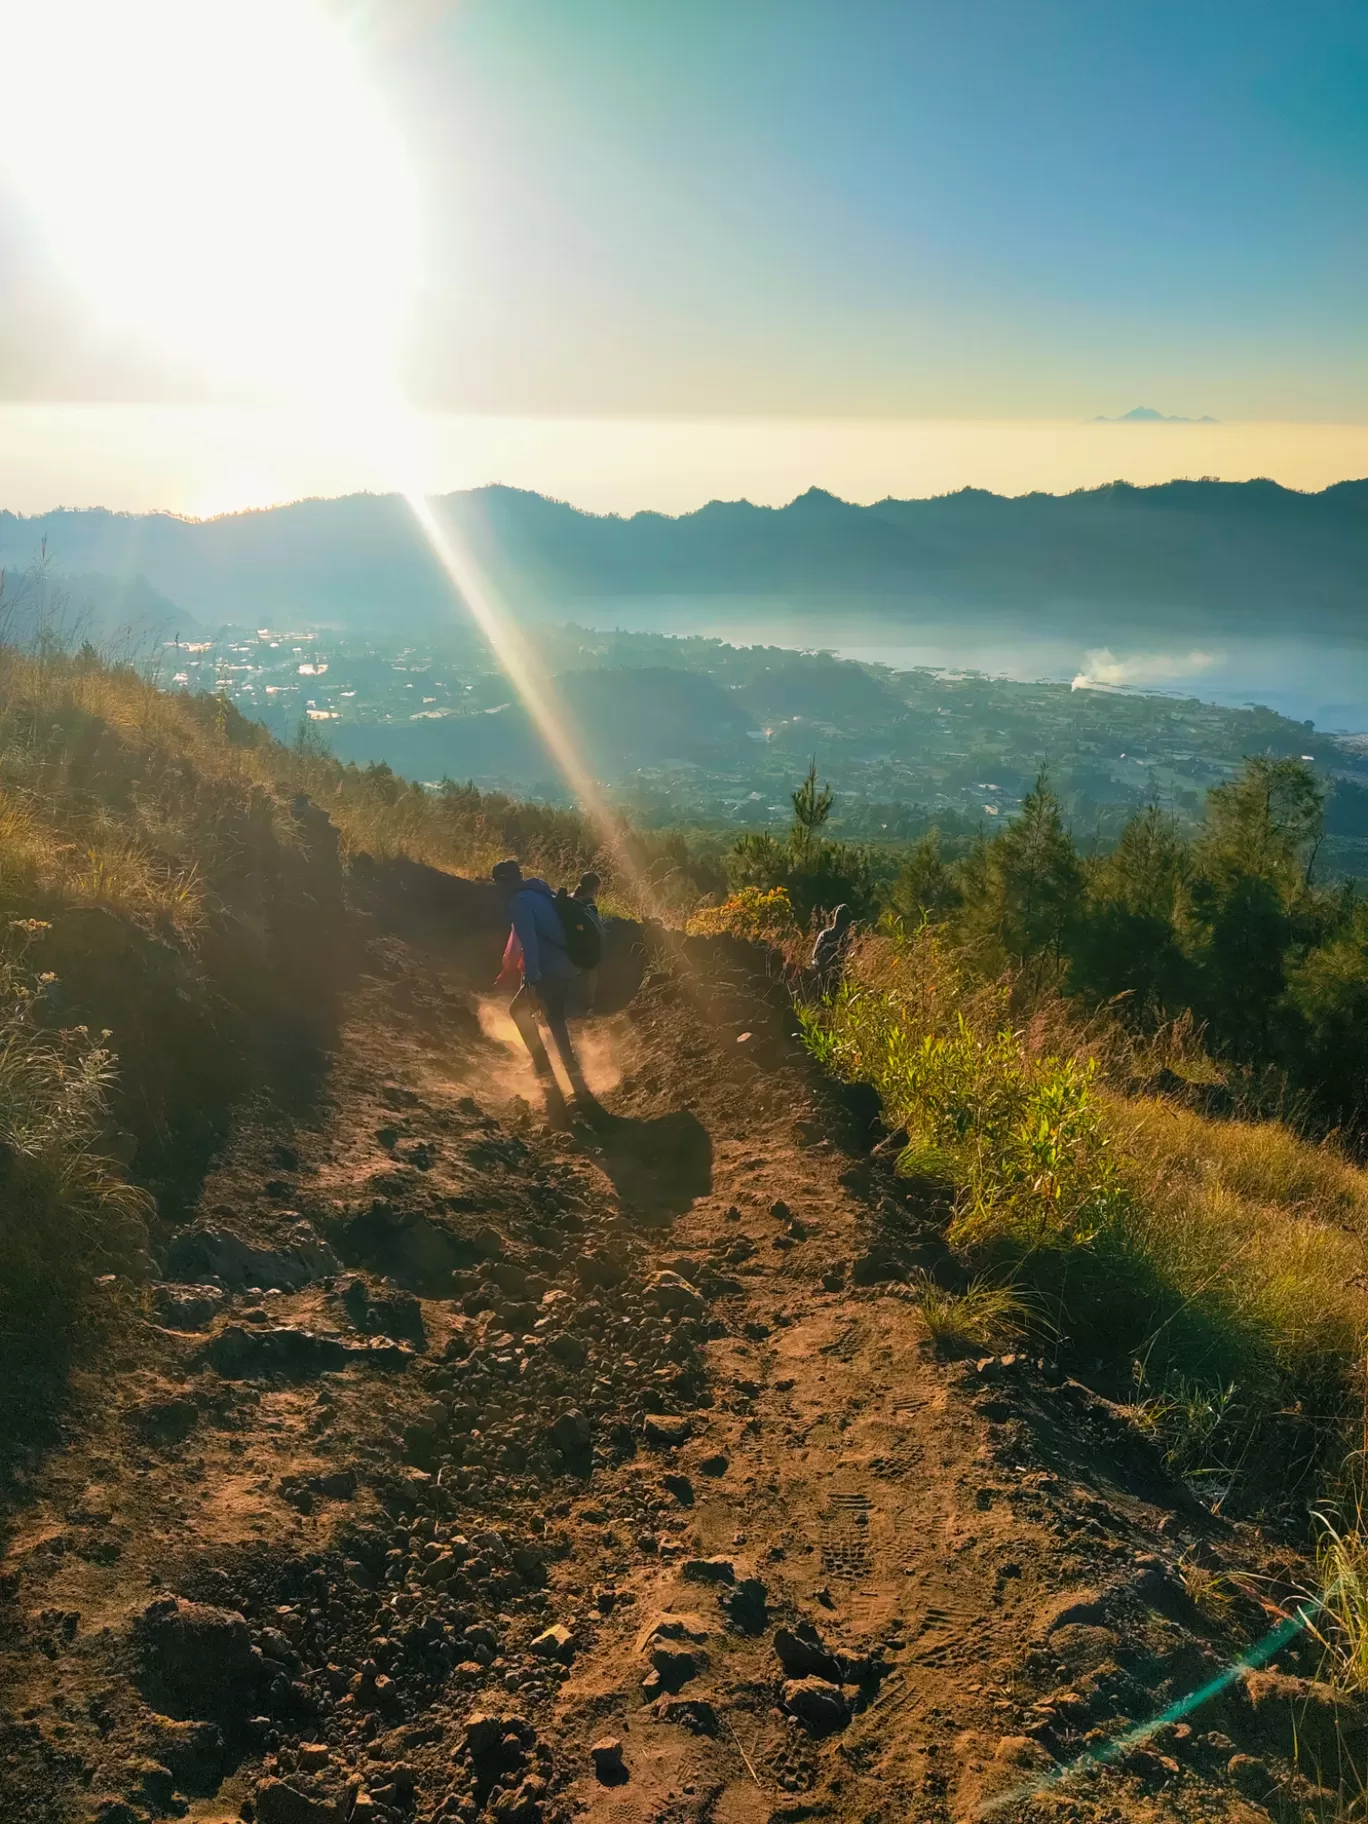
1312	677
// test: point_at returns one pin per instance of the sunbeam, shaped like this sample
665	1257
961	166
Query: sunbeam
509	647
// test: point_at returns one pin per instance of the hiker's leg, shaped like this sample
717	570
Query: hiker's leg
555	998
523	1011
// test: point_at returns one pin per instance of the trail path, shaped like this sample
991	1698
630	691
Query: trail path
973	1571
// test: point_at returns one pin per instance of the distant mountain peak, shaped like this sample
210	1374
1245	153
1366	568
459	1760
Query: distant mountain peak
1146	414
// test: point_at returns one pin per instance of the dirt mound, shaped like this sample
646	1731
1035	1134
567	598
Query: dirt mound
592	1470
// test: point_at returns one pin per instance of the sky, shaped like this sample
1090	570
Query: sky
658	235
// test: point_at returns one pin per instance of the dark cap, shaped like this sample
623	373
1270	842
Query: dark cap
505	873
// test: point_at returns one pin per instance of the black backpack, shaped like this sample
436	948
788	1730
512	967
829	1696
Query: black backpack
583	939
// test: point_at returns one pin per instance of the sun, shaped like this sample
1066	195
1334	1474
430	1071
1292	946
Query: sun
220	185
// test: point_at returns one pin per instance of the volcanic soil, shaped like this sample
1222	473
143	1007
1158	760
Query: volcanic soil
469	1465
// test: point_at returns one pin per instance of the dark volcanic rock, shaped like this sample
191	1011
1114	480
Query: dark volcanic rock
802	1655
240	1354
818	1704
187	1307
279	1803
200	1656
208	1251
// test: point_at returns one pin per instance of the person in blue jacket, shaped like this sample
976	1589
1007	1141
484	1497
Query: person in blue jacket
549	983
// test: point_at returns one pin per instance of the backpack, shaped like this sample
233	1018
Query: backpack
583	939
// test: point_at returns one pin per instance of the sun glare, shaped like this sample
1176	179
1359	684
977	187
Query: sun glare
218	182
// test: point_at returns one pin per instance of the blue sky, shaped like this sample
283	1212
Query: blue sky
1035	209
979	208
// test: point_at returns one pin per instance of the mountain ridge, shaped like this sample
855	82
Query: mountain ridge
1187	546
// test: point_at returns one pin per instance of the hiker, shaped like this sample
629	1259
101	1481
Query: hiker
831	949
586	893
551	944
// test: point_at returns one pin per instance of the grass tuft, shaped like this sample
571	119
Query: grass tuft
983	1317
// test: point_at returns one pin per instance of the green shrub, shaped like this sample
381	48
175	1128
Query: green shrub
1220	1263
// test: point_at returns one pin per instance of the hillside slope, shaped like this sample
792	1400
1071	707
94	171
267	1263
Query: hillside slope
451	1445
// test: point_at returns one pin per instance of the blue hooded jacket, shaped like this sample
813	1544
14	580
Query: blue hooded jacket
537	926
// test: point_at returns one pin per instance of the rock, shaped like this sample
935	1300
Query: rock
555	1642
277	1803
667	1428
681	1488
715	1465
202	1655
337	1484
208	1251
572	1350
668	1291
117	1811
673	1625
150	1782
520	1805
708	1570
834	1279
483	1733
571	1433
802	1655
746	1606
238	1353
695	1714
1251	1777
821	1706
675	1666
241	1354
596	1269
877	1265
194	1751
391	1313
178	1307
163	1421
1070	1608
607	1758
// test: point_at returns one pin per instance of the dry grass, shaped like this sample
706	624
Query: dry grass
1221	1263
1255	1223
985	1316
1342	1594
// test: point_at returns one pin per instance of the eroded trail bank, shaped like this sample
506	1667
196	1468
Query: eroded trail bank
463	1468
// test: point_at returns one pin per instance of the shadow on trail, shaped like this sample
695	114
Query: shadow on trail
658	1167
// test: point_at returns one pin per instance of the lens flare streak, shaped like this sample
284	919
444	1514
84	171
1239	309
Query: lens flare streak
1259	1655
510	648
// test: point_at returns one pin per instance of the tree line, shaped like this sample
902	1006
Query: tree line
1226	922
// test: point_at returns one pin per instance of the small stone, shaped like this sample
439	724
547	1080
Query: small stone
746	1606
607	1758
555	1642
668	1291
482	1732
571	1433
715	1465
313	1755
695	1714
666	1428
708	1570
802	1655
818	1704
277	1803
681	1488
676	1665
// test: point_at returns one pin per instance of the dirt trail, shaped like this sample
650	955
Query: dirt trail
632	1436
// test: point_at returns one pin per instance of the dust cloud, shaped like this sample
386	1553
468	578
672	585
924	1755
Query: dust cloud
514	1075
